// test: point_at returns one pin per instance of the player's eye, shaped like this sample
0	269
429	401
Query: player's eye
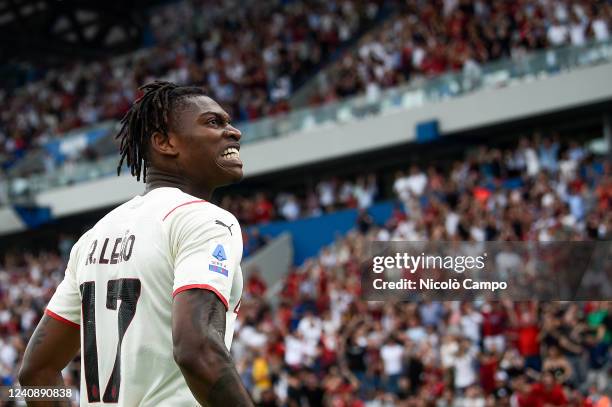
213	121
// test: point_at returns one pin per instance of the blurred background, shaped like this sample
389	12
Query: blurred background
362	120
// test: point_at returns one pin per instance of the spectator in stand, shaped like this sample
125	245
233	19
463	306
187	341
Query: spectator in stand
254	240
558	365
326	190
548	155
392	354
263	209
255	285
416	181
494	320
295	352
547	392
365	191
364	221
463	365
601	24
557	33
525	321
289	207
471	321
401	189
310	329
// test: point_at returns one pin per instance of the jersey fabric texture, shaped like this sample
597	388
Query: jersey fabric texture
119	286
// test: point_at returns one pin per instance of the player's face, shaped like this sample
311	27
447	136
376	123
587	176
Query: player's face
209	144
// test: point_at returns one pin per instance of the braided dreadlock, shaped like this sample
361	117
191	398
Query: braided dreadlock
149	114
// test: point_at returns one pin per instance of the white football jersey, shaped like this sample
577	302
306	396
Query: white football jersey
118	289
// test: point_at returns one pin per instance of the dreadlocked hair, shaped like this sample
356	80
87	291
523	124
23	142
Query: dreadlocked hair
149	114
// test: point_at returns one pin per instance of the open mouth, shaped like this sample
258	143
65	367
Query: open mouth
231	153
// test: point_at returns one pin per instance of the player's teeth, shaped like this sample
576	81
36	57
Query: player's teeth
231	153
230	150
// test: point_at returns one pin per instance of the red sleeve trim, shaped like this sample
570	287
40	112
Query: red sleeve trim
202	287
61	319
183	204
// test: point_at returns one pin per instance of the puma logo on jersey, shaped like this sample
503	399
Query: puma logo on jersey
218	222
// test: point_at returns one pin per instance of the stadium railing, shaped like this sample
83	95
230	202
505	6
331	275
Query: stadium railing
527	67
452	84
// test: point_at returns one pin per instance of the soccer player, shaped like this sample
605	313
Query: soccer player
151	292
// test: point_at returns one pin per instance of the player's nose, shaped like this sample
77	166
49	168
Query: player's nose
233	132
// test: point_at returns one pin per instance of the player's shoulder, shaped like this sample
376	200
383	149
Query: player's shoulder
78	247
179	205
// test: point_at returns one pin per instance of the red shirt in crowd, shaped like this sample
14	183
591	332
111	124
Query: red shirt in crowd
528	342
488	369
264	210
540	396
256	286
494	322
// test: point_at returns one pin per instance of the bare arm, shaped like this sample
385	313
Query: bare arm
198	331
52	346
567	370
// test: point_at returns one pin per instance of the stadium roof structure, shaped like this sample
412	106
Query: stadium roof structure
51	31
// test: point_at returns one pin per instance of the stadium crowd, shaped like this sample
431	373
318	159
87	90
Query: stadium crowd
325	345
564	178
251	56
327	195
318	343
430	38
248	56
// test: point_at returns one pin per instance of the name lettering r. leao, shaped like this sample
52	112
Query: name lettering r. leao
122	248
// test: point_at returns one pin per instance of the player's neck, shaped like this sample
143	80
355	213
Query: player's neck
160	179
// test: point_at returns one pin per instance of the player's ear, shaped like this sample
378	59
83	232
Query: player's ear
164	144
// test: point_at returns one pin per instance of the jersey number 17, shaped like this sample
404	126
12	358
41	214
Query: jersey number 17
128	291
